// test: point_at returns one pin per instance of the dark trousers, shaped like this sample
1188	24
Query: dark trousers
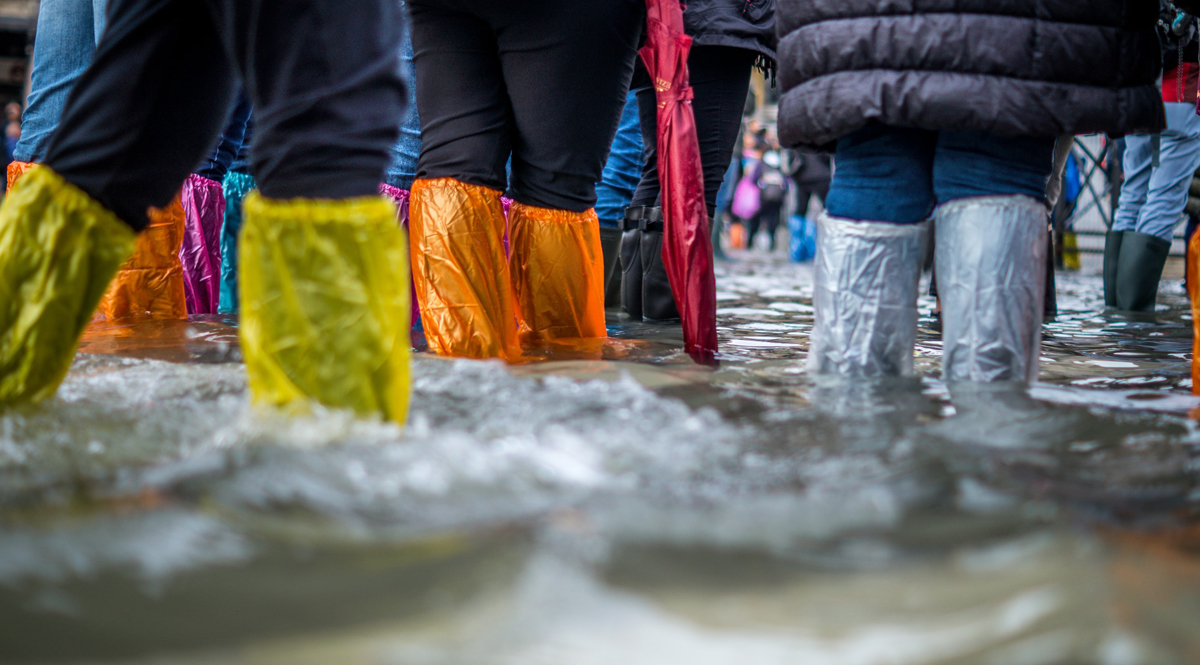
323	76
720	78
767	219
540	81
232	148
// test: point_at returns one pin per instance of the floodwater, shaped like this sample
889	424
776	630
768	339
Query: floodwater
616	504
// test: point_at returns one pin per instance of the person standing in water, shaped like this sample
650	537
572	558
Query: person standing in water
950	114
325	311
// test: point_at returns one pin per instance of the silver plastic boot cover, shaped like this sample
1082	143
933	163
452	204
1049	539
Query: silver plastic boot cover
991	273
865	297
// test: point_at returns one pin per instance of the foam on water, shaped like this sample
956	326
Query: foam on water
662	512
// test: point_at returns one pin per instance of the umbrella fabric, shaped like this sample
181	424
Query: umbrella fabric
687	247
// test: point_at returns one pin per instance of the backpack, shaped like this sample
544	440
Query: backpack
771	184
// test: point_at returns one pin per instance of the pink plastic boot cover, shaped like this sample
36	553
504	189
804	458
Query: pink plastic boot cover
204	211
400	198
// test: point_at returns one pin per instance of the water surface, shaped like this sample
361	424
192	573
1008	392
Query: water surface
616	503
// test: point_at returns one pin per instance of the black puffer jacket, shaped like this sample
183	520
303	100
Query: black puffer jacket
748	24
1011	67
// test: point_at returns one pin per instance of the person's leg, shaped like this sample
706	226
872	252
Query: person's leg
63	49
324	294
1137	164
456	220
567	66
720	78
615	190
869	250
992	225
397	183
752	226
771	223
883	175
407	151
114	128
119	140
623	169
219	161
1145	248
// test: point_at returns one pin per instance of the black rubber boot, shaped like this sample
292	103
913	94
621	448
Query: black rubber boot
631	273
1112	255
610	247
658	303
1139	270
1051	305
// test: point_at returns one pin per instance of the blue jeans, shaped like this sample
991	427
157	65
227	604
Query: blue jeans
1153	198
623	170
407	151
67	34
888	174
231	151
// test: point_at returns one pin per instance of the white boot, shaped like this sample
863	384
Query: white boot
991	272
865	297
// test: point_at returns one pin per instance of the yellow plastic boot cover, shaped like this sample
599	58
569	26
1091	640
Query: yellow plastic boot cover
150	284
461	270
325	304
558	273
58	250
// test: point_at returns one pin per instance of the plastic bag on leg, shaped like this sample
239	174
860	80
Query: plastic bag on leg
325	304
59	248
865	297
557	268
461	270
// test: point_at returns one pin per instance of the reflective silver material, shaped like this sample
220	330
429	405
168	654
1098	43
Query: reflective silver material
865	297
991	272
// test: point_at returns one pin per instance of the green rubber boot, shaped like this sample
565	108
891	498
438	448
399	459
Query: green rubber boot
1139	271
1112	256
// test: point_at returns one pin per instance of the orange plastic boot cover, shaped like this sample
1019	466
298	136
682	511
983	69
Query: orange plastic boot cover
16	170
460	269
558	273
150	284
1193	286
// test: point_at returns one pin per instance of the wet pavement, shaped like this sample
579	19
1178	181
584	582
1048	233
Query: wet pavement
616	503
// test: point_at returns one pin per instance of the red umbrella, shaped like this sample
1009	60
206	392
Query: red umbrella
687	247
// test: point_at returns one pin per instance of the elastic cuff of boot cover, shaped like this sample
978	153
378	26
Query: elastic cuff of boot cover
399	197
991	271
557	269
325	311
203	202
461	271
60	249
16	170
865	293
150	284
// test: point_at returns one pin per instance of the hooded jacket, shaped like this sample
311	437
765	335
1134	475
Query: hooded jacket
1010	67
747	24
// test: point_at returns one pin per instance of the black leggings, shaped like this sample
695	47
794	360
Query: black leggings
767	218
540	81
323	75
720	78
